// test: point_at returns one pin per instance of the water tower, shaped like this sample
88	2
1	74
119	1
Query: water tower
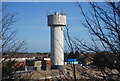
57	22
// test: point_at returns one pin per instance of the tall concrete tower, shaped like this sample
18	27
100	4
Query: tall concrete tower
57	22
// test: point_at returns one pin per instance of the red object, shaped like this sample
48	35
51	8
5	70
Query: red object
48	62
21	63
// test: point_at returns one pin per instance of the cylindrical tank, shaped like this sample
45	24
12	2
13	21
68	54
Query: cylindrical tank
57	23
56	20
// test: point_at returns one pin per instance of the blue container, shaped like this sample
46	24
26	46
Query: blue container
72	60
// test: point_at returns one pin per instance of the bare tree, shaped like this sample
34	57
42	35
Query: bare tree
104	28
10	43
103	24
9	39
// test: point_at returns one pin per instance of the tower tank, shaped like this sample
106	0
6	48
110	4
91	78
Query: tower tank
57	22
